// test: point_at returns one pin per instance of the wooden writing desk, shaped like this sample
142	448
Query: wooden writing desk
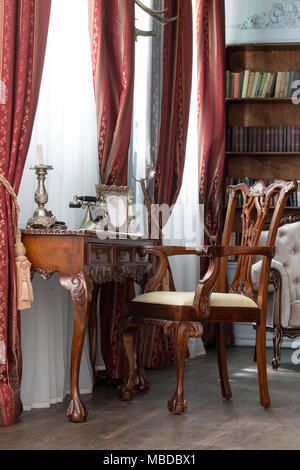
84	262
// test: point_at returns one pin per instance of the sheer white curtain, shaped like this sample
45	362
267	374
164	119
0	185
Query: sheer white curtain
65	125
185	226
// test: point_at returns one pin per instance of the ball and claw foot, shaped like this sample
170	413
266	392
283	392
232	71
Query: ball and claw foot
76	411
125	392
177	405
141	383
275	364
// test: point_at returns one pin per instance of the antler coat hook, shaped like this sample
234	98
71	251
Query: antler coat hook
156	14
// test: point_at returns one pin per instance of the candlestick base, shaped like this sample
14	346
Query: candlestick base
44	222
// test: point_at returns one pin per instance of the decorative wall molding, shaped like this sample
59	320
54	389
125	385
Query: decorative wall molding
282	15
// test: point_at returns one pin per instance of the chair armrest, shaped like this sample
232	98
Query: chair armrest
212	250
163	252
182	250
206	284
247	250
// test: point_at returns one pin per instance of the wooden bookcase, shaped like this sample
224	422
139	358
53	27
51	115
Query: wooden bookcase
262	112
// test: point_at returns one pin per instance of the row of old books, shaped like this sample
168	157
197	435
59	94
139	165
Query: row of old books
263	139
249	84
293	200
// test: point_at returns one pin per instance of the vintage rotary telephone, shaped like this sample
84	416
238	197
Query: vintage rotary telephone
100	221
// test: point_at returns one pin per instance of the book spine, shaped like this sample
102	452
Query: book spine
256	79
290	84
265	88
236	85
263	139
259	146
241	82
276	139
298	192
280	131
278	85
250	84
245	84
262	84
227	83
268	138
270	83
272	90
286	86
241	139
288	139
254	139
282	85
297	144
258	85
284	138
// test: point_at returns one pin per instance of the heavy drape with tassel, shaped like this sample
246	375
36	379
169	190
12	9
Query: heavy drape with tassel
211	117
23	35
174	117
112	35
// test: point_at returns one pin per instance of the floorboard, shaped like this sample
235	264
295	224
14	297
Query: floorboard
145	423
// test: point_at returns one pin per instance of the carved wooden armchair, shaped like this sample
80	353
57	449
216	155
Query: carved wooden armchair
181	313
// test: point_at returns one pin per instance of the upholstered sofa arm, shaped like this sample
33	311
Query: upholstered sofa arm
285	292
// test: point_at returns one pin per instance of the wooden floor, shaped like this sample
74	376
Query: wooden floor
145	423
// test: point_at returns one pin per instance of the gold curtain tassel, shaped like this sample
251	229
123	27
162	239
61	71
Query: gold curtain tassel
24	286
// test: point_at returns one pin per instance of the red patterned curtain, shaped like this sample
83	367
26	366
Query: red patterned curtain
176	91
23	35
112	34
211	118
175	107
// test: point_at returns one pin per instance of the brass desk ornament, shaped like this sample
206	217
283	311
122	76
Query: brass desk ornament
42	218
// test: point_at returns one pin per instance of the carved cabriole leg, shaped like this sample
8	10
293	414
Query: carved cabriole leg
80	287
277	333
141	382
128	334
92	329
180	333
277	340
222	362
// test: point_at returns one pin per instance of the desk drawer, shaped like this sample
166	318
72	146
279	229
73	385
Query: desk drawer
124	254
142	257
98	254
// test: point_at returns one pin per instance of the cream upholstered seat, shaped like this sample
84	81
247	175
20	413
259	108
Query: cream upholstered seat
187	298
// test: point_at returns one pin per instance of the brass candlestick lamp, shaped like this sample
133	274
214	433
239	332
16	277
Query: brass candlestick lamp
42	218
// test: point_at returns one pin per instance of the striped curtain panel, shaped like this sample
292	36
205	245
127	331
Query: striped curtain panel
211	121
23	35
